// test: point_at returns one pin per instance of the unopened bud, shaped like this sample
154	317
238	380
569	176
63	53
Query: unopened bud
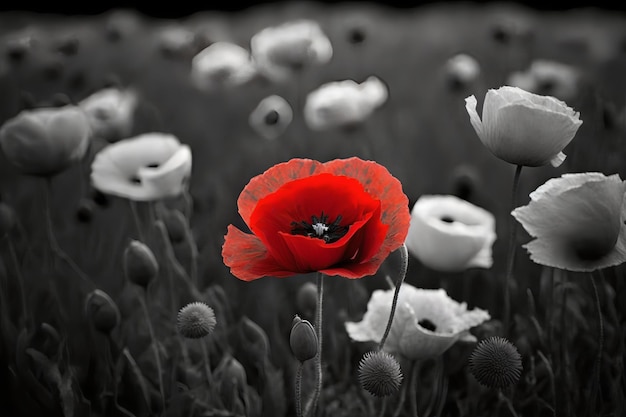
140	264
176	225
306	299
303	339
102	311
379	373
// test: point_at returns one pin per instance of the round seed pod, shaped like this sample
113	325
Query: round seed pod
496	363
196	320
379	373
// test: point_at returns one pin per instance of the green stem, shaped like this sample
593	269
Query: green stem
155	347
508	277
404	266
312	403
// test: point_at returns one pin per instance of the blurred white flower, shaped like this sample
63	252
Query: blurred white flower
577	221
524	128
281	50
110	112
462	69
147	167
344	103
550	78
450	234
271	117
221	64
176	40
426	322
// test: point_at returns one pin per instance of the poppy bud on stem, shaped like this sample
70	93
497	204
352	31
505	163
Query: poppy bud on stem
303	343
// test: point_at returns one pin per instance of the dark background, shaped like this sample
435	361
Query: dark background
185	8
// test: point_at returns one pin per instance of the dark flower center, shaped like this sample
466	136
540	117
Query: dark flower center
137	180
271	118
447	219
320	228
427	324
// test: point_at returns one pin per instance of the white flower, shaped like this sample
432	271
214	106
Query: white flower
462	68
221	64
548	77
450	234
271	117
110	112
344	103
280	50
147	167
577	221
523	128
426	322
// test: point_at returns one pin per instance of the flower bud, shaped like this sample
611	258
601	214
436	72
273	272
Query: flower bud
306	299
379	373
176	225
196	320
102	311
140	264
7	219
496	363
303	339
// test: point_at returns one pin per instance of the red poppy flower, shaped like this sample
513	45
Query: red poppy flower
342	217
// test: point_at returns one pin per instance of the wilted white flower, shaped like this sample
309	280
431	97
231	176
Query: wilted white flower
548	77
221	64
577	221
450	234
271	117
344	103
426	322
147	167
524	128
280	50
110	112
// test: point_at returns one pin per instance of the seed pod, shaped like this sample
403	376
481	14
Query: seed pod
196	320
140	264
303	339
379	373
496	363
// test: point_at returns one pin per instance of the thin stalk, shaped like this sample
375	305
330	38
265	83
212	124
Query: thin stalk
299	389
153	341
511	250
596	383
133	208
312	403
20	279
403	268
207	362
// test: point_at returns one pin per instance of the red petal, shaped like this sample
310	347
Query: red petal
247	257
380	184
271	180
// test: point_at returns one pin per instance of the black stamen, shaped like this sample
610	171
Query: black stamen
447	219
427	324
319	228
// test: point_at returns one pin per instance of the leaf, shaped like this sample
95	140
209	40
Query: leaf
53	375
139	378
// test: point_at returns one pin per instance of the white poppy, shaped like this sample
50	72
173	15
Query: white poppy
221	64
110	112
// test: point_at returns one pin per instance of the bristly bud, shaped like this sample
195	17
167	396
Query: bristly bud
102	311
379	373
496	363
303	339
140	264
196	320
7	219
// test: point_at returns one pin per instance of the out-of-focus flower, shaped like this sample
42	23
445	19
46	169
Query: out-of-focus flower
577	221
426	322
306	299
110	112
342	217
462	69
196	320
344	103
496	363
451	234
140	264
281	50
271	117
221	64
102	311
45	141
524	128
549	78
379	373
176	40
303	339
147	167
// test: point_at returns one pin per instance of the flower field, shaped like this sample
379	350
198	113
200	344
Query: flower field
307	209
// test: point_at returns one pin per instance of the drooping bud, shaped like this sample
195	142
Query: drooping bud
196	320
496	363
379	373
140	264
303	339
102	311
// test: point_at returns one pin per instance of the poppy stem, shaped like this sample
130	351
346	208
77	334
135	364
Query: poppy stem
299	389
403	268
133	208
596	382
20	280
312	404
508	277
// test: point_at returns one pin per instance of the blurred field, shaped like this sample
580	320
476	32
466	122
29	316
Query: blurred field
422	134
